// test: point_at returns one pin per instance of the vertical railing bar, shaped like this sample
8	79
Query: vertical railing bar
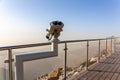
99	54
111	45
106	47
114	46
10	64
87	55
65	65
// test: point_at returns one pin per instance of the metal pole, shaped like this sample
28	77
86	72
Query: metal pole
114	46
10	64
99	55
65	66
87	55
106	47
111	45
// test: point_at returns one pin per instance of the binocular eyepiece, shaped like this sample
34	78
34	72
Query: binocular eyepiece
59	23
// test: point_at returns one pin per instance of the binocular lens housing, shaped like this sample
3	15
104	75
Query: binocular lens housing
57	23
47	37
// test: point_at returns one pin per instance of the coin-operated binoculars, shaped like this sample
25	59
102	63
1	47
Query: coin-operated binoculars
52	32
54	29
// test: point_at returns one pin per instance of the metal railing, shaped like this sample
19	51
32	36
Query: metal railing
10	48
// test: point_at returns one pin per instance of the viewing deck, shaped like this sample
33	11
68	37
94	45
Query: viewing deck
107	51
106	69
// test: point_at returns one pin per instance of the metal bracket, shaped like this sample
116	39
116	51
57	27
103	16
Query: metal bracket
19	73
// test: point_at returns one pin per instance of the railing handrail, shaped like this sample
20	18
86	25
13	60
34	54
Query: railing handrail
48	43
70	41
24	46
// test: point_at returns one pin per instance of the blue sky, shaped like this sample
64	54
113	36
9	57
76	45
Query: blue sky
25	21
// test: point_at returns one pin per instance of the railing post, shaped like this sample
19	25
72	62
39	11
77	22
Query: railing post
65	65
99	55
111	45
10	64
106	45
87	55
114	45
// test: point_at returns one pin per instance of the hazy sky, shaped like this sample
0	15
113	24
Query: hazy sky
25	21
